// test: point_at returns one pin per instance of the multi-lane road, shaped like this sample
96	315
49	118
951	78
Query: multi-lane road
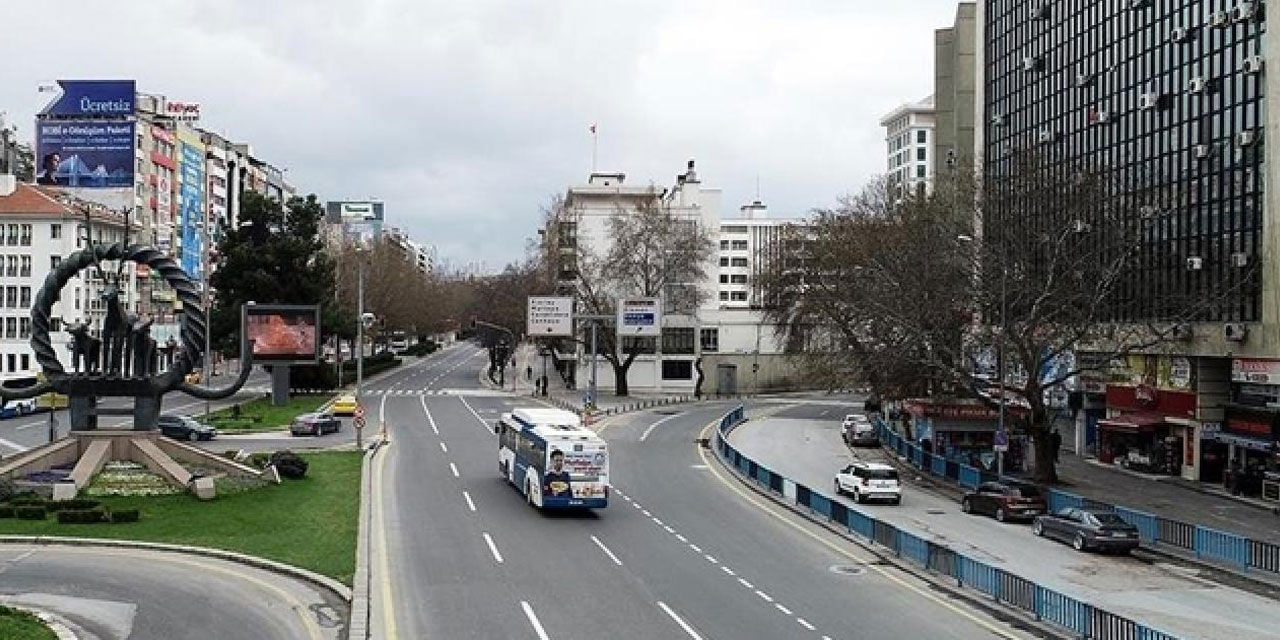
681	552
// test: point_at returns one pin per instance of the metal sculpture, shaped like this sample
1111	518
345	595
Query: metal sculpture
122	361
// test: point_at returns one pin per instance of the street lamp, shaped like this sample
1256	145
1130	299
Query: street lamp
1002	436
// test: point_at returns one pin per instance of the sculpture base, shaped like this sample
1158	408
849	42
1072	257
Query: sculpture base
90	450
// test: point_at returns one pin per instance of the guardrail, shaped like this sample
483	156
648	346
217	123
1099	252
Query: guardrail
1223	547
1080	618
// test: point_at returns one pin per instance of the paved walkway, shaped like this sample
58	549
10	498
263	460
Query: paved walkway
559	393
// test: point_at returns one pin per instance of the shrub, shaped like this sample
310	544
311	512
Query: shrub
70	505
27	502
123	515
259	460
29	513
289	464
230	455
7	490
6	511
80	516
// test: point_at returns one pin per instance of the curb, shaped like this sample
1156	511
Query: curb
56	623
287	570
358	625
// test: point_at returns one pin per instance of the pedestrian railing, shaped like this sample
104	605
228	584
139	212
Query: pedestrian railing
1081	618
1232	550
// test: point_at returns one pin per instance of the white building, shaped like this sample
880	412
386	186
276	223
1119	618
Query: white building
39	227
419	255
909	132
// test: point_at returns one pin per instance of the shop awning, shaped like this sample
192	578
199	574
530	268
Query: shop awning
1242	441
1132	422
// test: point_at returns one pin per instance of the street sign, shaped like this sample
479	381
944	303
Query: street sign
359	422
1002	441
359	413
549	316
639	316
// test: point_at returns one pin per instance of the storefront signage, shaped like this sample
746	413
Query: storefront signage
1181	373
1145	398
1250	428
182	111
92	98
1255	371
954	411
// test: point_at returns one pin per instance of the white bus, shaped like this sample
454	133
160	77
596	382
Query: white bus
552	459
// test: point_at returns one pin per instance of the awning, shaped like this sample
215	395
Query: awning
1242	441
1133	422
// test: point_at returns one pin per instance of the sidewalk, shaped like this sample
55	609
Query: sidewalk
575	400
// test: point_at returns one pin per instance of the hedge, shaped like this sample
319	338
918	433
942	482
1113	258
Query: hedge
123	515
6	511
30	513
81	516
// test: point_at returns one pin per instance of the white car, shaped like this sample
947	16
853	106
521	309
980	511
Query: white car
869	481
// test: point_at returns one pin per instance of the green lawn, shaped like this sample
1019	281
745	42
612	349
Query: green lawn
20	624
310	523
260	415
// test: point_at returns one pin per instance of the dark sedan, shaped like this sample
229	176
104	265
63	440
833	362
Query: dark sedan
314	424
1005	501
185	428
1087	529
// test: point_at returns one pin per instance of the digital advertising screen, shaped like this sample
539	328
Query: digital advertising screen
283	333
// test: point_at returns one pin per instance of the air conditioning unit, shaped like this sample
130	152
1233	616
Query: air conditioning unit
1202	151
1080	226
1139	4
1239	259
1085	79
1196	85
1252	64
1219	19
1246	138
1235	331
1148	211
1243	11
1048	135
1100	116
1195	263
1180	34
997	120
1032	63
1042	11
1181	332
1149	100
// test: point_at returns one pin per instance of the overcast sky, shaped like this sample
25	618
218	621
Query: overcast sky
466	115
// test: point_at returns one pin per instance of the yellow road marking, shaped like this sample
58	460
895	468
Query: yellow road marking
384	566
838	549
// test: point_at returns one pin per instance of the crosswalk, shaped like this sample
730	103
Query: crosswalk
474	393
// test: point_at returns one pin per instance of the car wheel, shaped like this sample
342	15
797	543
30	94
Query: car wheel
193	436
1037	528
838	489
857	496
897	500
966	506
1078	543
1000	514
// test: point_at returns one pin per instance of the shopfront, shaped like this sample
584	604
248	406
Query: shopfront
965	431
1250	435
1148	429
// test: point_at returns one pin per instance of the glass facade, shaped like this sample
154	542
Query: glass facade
1166	96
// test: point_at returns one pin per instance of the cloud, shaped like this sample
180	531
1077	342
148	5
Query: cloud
466	116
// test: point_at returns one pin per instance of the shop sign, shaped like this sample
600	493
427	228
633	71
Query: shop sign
1180	372
954	411
1168	402
1250	428
1255	371
1145	395
1209	428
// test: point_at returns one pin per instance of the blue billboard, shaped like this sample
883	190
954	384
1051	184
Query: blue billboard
85	153
93	98
191	209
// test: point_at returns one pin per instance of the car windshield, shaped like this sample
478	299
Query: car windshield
1108	519
1024	492
882	474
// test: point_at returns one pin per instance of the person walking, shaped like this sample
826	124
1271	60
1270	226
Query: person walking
1055	442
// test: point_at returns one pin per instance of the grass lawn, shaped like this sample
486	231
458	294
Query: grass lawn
20	624
260	415
310	523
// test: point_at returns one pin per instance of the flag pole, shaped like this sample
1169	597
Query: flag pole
593	147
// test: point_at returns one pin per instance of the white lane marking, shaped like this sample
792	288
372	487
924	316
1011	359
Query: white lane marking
473	412
606	551
746	584
681	538
783	609
31	425
454	469
644	436
444	447
711	559
805	623
727	570
765	596
696	548
493	548
13	445
669	529
636	505
470	505
657	522
533	620
683	625
646	513
430	420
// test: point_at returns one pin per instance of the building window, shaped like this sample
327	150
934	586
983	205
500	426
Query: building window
677	370
11	297
922	136
920	154
738	278
678	340
710	339
724	278
54	261
724	245
13	235
24	331
25	298
11	331
77	298
25	240
739	262
738	296
724	296
739	245
643	345
55	232
724	262
920	171
26	362
25	270
11	266
12	362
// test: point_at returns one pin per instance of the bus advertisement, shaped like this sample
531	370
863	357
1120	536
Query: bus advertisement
552	459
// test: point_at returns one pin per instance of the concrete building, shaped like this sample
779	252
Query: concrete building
909	136
954	89
38	226
415	253
1181	98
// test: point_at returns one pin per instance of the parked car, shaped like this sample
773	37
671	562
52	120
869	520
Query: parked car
1087	529
345	405
314	424
1005	500
858	431
869	481
185	428
195	377
16	408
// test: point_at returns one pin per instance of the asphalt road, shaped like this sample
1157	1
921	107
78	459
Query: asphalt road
110	594
803	443
681	552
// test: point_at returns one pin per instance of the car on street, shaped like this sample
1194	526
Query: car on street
869	481
185	428
858	431
16	408
1005	501
314	424
1086	529
345	405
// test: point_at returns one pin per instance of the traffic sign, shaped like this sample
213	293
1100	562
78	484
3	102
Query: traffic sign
549	316
359	413
1002	441
359	421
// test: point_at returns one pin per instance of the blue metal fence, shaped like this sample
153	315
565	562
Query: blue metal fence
1148	529
1222	546
1063	611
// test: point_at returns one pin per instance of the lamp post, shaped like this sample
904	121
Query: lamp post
1002	436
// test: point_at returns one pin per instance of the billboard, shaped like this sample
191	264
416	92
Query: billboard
549	316
93	98
283	333
191	208
85	153
639	317
182	111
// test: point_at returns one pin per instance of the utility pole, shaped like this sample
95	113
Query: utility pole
208	308
359	324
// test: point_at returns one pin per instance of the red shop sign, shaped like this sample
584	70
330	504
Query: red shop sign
1181	404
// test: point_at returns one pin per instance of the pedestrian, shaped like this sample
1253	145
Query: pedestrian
1055	442
528	373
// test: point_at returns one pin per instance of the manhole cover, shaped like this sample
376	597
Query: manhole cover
934	512
668	412
848	569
